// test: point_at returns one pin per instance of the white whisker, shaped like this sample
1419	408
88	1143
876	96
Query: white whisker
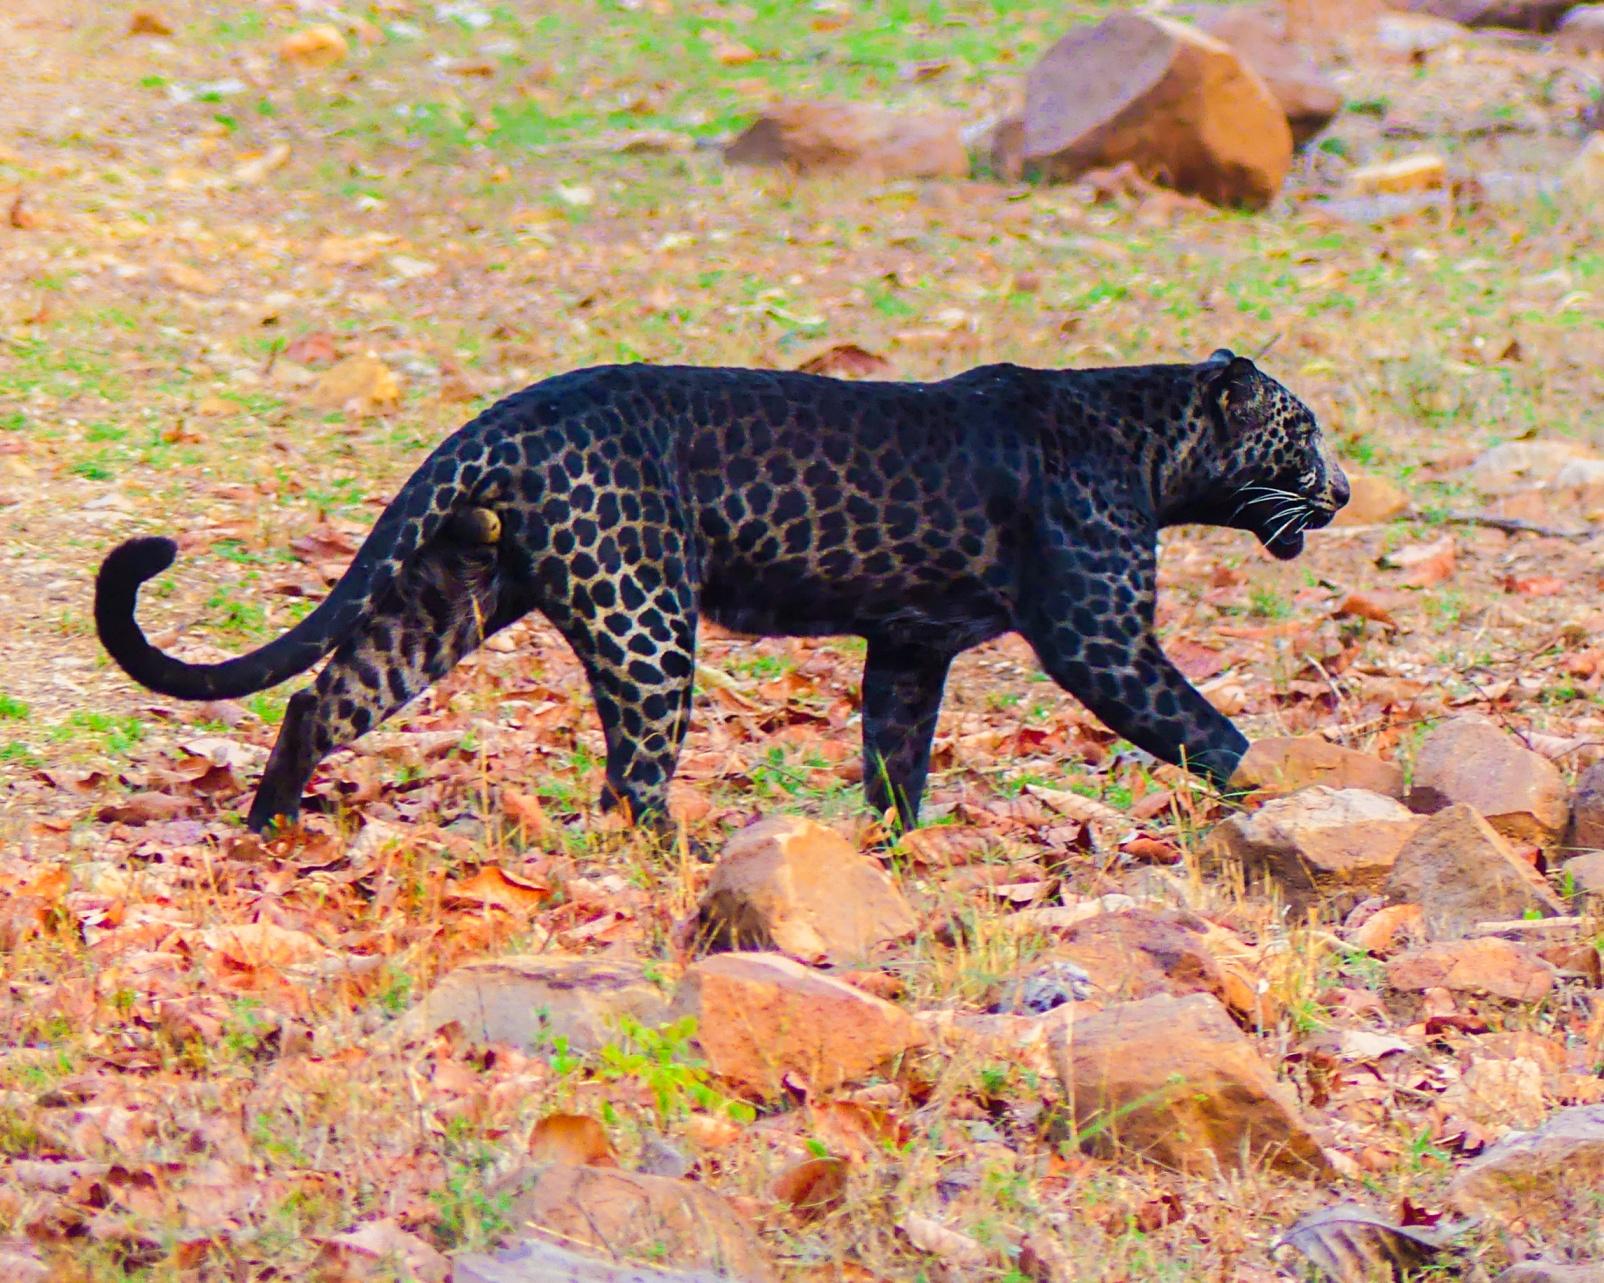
1282	529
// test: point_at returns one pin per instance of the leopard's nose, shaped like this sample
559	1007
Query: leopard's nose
1341	492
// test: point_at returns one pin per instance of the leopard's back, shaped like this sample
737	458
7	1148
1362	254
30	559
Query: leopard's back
815	505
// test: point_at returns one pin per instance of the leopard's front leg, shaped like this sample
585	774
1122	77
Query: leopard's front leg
1089	615
1147	700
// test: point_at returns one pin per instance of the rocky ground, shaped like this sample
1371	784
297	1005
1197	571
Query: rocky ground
1093	1022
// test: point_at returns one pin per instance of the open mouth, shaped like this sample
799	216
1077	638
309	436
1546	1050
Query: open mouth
1284	547
1280	517
1284	541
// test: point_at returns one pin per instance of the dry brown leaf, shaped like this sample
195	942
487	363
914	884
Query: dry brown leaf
314	348
851	1128
1536	585
1195	659
845	360
493	887
929	1235
145	808
262	944
813	1186
524	809
1361	606
577	1139
190	278
733	53
360	383
314	47
373	1251
149	22
711	1131
1087	810
1426	563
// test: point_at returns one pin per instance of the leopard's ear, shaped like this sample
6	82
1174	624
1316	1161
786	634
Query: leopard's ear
1236	386
1220	356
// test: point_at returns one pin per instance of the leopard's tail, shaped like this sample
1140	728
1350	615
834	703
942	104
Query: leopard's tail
449	479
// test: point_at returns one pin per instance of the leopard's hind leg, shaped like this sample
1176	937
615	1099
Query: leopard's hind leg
447	600
902	687
640	666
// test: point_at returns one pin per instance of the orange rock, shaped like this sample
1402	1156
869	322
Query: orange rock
1318	843
1142	952
1259	35
1173	1079
1498	1095
1460	872
1285	764
319	46
1380	932
814	137
1546	1179
527	1001
794	886
1470	760
374	1248
623	1216
761	1016
1487	965
1175	102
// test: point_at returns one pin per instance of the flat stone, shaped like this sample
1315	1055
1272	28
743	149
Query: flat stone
533	1260
1545	1180
1585	872
1520	465
526	1001
1518	15
1425	172
624	1217
1319	845
1141	952
1174	1080
1498	1095
857	138
793	886
1461	873
1579	475
1541	1271
1469	760
1582	31
1411	35
1487	965
763	1016
1285	764
1175	103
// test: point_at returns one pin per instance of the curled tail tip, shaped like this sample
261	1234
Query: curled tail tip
125	568
135	560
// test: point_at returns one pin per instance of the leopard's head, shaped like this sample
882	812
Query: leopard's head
1271	470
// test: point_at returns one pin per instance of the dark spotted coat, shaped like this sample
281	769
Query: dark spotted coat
625	501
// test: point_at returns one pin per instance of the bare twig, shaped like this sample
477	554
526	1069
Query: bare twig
1514	526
